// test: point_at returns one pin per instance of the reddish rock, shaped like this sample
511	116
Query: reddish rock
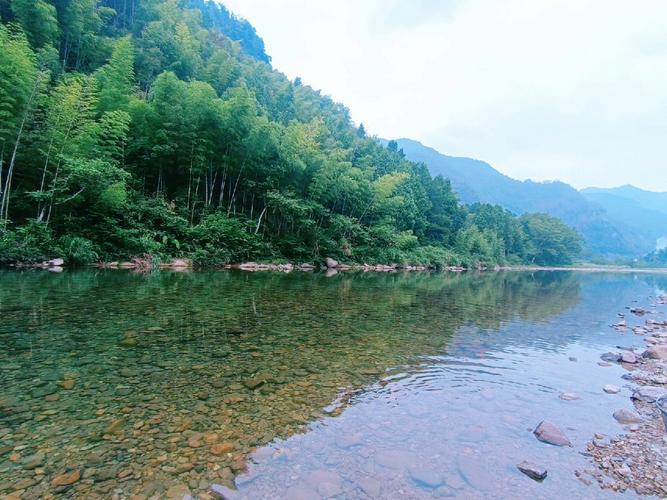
549	433
66	479
657	352
222	448
627	417
628	357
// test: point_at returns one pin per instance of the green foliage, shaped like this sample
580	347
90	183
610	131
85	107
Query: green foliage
160	128
32	242
77	251
551	241
220	240
38	19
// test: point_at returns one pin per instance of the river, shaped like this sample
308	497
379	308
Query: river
300	385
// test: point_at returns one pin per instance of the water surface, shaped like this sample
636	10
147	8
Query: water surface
351	386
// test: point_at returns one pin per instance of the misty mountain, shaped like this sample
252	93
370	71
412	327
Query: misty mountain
477	181
632	206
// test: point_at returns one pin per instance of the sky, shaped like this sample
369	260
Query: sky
573	90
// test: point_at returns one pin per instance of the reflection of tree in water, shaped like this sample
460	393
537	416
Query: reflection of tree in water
657	281
256	355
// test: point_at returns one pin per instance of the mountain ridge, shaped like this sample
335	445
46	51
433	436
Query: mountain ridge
477	181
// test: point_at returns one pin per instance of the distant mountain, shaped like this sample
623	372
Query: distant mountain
477	181
646	210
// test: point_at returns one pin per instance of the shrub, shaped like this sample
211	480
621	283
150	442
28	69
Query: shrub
30	243
77	251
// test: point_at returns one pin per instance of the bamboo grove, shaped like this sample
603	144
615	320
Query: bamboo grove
131	127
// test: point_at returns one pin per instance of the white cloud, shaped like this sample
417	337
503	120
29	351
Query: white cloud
549	89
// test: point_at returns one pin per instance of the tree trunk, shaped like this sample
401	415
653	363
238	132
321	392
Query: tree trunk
4	201
259	221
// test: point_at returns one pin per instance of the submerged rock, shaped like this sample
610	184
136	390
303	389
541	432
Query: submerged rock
611	389
223	493
426	477
115	426
66	479
549	433
33	461
222	448
569	396
533	471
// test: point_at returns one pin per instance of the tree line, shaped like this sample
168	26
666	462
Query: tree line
131	127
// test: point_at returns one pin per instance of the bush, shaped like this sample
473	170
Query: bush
77	251
30	243
219	240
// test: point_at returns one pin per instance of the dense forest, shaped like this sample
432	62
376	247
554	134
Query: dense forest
159	127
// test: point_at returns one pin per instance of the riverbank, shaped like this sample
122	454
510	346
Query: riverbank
588	269
330	265
637	459
147	263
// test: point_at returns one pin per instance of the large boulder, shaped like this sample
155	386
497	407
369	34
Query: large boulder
648	393
657	352
549	433
56	262
624	416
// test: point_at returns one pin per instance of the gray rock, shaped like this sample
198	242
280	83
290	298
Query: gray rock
45	390
33	461
106	473
549	433
56	262
611	389
611	356
628	357
569	396
222	492
533	471
648	393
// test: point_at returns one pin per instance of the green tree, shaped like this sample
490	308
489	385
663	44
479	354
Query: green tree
551	241
38	19
116	78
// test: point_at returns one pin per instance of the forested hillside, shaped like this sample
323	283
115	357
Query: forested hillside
606	233
131	127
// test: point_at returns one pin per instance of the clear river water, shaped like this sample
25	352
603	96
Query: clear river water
299	386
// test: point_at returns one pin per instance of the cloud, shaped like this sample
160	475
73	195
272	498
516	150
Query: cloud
544	90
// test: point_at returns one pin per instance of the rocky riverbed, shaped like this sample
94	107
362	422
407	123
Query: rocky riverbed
637	459
161	385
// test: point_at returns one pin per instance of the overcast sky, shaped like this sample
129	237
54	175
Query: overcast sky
574	90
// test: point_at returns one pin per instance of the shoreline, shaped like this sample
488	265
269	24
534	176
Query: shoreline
588	269
636	458
145	264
